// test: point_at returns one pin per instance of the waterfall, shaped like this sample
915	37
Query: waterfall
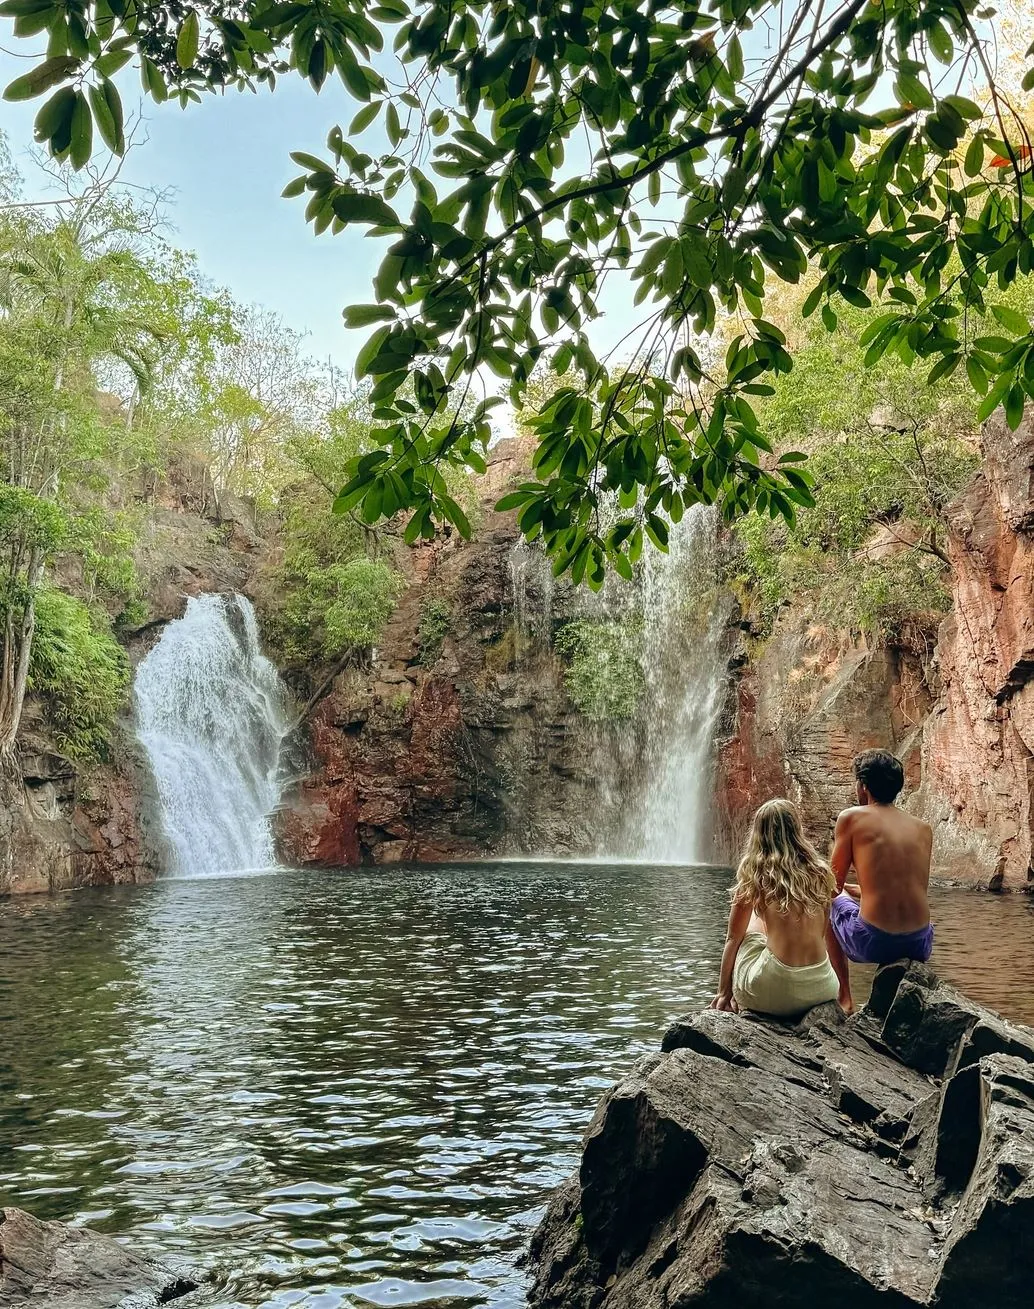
654	778
531	579
211	715
684	624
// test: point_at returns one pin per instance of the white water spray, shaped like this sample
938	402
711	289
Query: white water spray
684	627
655	779
211	715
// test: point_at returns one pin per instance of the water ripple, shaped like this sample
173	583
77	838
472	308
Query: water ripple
357	1089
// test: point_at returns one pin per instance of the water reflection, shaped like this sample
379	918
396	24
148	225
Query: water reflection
356	1089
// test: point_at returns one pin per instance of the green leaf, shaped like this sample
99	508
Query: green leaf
54	121
513	501
734	58
1014	403
855	296
657	531
365	117
977	376
188	41
22	8
357	207
80	147
392	125
366	315
974	159
994	397
41	78
1011	320
107	114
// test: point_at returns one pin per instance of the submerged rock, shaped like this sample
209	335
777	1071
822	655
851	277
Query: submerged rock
887	1160
49	1264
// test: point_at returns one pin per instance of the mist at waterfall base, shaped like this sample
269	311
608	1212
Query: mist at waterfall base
211	715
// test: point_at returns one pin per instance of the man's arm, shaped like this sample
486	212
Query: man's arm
739	918
843	851
840	861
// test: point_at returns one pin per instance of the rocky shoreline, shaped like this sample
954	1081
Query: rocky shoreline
60	1267
886	1160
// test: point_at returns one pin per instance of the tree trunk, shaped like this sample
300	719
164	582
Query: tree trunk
14	697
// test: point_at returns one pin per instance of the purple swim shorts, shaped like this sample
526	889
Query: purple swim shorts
865	944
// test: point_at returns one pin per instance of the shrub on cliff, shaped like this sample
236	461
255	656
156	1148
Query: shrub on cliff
324	613
603	676
888	453
79	672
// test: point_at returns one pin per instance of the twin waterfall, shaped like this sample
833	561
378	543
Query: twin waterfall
212	715
655	772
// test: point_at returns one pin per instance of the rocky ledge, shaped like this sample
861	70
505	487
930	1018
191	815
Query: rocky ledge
49	1264
885	1160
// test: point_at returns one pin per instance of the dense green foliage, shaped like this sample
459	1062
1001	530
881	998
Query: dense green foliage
840	139
603	674
335	584
80	672
327	612
70	317
888	454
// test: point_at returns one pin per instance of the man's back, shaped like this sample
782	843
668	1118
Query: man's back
890	852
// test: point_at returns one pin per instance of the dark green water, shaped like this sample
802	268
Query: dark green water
359	1088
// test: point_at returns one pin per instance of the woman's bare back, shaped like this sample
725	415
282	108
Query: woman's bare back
796	939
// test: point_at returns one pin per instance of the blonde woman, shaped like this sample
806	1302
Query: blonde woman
775	959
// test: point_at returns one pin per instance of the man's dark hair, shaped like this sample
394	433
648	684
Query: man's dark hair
881	774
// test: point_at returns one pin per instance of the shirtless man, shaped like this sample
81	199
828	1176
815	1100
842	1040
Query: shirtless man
887	916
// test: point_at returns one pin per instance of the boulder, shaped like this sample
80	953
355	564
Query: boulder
885	1160
43	1263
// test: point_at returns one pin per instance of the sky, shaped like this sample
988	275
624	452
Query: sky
225	163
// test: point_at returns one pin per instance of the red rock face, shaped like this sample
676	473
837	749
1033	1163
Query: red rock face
458	752
979	741
804	707
59	830
110	844
963	722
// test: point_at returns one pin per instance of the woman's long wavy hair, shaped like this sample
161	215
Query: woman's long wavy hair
781	867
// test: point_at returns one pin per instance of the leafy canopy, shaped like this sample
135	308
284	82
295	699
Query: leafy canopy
701	150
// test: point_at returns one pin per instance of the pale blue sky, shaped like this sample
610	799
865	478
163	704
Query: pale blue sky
226	161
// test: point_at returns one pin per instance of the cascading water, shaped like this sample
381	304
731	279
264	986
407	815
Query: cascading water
654	781
684	626
531	579
212	715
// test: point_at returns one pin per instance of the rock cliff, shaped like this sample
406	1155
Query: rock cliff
886	1160
800	708
959	709
978	746
457	740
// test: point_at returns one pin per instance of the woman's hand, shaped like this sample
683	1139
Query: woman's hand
724	1003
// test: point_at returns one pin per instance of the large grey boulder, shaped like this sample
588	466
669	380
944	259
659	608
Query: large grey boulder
886	1161
51	1266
